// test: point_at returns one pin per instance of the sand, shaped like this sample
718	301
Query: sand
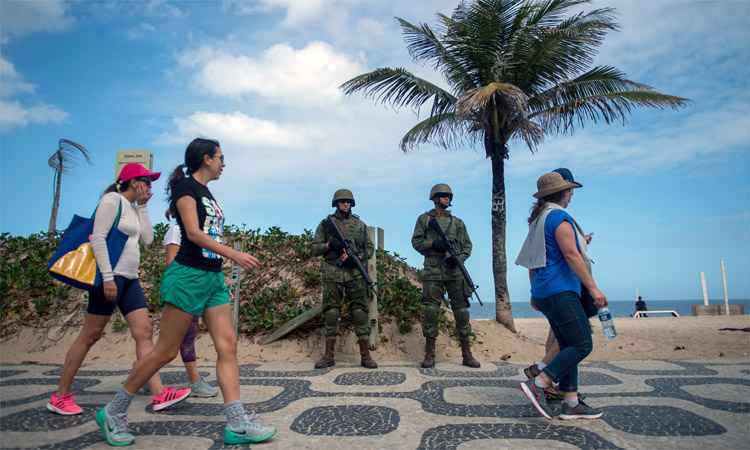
651	338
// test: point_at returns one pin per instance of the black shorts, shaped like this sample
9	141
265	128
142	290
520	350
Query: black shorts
129	298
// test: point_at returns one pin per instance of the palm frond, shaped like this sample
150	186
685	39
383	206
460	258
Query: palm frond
67	155
529	132
398	87
424	44
547	56
480	99
550	12
446	130
601	94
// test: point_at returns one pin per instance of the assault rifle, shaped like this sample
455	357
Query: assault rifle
453	255
352	255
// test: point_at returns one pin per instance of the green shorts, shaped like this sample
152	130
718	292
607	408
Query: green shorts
193	290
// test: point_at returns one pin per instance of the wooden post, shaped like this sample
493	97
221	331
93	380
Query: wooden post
724	282
705	289
236	271
292	325
372	268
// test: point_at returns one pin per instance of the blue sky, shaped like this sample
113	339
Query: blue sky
667	195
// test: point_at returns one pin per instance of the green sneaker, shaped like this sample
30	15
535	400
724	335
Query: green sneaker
114	428
253	431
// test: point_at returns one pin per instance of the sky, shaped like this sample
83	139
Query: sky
667	194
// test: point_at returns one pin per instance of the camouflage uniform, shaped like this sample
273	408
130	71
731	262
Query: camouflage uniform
341	282
345	282
439	276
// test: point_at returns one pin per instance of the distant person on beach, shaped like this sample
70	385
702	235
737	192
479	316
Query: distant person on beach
193	285
555	254
199	386
551	346
442	274
123	204
640	305
342	281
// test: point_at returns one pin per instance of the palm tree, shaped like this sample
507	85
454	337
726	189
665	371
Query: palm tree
517	69
61	162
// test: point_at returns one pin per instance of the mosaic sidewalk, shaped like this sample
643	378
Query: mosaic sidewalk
647	405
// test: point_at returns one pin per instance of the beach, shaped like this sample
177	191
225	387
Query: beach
638	339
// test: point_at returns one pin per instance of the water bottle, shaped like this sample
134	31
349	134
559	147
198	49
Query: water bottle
608	325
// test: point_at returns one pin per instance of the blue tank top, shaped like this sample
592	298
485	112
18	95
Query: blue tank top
556	276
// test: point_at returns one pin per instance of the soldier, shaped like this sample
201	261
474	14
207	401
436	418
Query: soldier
341	279
441	274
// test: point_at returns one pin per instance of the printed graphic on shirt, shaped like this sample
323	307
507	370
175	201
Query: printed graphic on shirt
213	225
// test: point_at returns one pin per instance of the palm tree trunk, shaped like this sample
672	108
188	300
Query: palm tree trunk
55	198
497	152
503	312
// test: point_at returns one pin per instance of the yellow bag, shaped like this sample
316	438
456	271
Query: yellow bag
78	265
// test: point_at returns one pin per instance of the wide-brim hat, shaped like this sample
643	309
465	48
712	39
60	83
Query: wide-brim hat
136	170
552	183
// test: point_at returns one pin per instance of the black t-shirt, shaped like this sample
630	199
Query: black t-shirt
210	220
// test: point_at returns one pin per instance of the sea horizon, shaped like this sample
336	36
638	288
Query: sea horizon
619	308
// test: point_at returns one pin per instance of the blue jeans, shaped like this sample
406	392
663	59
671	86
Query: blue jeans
573	332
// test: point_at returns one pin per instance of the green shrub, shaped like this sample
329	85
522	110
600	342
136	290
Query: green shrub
287	283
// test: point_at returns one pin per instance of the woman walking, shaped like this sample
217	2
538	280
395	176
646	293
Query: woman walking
193	285
554	253
197	384
123	205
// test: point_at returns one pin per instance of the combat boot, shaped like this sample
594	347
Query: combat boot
327	359
429	353
469	359
364	353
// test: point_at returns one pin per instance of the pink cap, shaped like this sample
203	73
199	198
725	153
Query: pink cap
135	170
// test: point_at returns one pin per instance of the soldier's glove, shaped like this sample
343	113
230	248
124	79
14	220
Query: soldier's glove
451	262
335	245
439	246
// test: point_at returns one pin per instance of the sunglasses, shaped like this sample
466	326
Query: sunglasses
145	180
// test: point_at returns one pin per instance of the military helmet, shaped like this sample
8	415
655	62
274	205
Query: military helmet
342	194
440	188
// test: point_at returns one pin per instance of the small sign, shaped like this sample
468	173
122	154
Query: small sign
144	157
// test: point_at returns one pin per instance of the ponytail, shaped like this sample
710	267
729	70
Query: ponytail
536	209
117	186
177	175
540	204
194	153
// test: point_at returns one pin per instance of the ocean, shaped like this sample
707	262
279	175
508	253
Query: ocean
617	308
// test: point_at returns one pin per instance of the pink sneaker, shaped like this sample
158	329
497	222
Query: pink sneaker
63	404
168	397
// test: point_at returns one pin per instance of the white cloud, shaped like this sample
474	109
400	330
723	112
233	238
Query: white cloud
140	31
298	12
341	146
237	128
14	114
22	17
369	27
309	76
163	8
698	137
11	82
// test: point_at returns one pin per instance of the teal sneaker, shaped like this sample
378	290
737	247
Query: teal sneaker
252	431
114	428
202	389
